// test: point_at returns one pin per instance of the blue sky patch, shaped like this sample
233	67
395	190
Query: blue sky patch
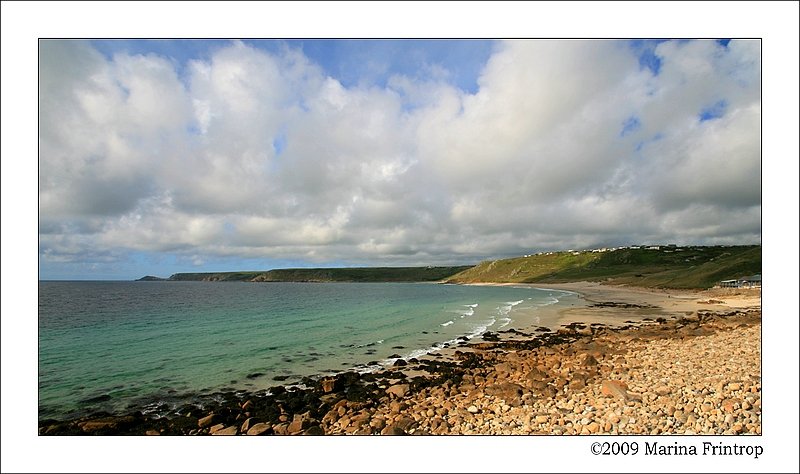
179	51
645	50
372	62
279	143
630	125
643	143
354	63
714	111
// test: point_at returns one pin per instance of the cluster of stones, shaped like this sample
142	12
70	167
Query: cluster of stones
697	375
688	375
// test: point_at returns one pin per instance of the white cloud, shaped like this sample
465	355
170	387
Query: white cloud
253	154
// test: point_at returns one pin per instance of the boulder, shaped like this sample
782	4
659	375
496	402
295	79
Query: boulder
108	423
294	427
360	420
589	361
502	368
216	428
229	431
258	429
618	389
331	416
577	384
538	385
206	421
299	422
511	393
398	390
547	392
280	429
314	430
392	430
246	425
328	384
406	424
662	390
536	375
378	423
728	405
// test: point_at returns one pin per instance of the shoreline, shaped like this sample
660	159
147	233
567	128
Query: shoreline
494	371
615	304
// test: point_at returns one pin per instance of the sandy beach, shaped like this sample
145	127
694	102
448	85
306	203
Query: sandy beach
644	362
625	361
642	302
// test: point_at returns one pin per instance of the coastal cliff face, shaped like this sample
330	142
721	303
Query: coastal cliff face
662	266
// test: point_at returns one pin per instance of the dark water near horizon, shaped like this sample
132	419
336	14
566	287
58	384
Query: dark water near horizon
118	346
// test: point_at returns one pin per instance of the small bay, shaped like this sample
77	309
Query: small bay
117	346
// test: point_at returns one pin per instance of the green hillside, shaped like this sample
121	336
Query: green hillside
667	267
367	274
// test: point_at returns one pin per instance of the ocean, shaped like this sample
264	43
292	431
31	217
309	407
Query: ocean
148	346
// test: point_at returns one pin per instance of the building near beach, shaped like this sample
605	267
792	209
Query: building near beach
744	282
750	282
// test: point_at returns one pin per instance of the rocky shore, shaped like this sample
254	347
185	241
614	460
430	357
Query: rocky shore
696	373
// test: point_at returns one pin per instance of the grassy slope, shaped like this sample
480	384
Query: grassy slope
693	267
375	274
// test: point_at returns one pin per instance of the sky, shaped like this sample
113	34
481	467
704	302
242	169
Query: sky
162	156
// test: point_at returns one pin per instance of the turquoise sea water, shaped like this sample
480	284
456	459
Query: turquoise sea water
117	346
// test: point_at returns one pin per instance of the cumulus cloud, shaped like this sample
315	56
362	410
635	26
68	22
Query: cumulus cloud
257	154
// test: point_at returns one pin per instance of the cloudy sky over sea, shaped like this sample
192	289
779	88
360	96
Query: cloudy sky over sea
169	155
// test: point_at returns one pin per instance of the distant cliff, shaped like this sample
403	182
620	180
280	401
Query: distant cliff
667	266
151	278
364	274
